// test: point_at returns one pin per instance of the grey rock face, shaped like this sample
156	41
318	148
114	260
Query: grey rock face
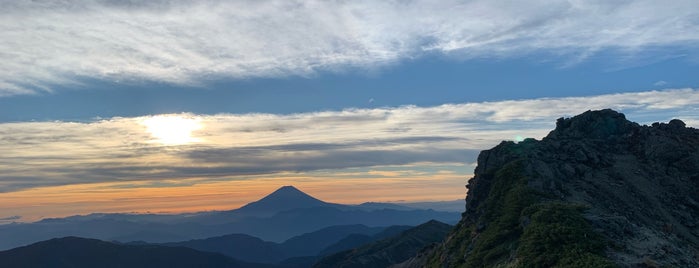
641	183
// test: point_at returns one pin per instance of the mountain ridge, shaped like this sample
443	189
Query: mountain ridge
72	252
284	198
252	249
285	213
608	191
390	250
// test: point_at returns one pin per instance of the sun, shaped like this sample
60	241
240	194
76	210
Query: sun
172	129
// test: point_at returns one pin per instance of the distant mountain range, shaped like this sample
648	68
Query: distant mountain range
74	252
389	251
377	243
319	243
279	216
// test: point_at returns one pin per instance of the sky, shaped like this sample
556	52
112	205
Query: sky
171	106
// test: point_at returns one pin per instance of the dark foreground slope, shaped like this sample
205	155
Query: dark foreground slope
598	191
77	252
386	252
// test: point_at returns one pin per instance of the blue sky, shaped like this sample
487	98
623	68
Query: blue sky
107	95
428	81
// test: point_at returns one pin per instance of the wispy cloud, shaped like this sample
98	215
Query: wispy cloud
227	146
10	218
660	83
47	43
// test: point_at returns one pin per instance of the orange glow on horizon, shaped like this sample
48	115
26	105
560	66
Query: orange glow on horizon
139	197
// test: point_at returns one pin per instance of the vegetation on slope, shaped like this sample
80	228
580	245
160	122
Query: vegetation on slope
520	227
597	191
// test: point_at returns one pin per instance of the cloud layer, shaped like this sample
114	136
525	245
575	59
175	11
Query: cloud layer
47	43
241	146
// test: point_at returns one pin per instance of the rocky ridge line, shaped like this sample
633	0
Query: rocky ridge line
636	187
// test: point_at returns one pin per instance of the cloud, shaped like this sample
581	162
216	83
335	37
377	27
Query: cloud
660	83
48	43
237	146
11	218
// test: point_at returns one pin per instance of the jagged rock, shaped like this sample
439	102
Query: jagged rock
636	187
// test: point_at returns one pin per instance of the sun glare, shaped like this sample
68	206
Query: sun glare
172	129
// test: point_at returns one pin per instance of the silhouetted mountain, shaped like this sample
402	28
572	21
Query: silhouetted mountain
74	252
598	191
349	242
288	223
251	249
393	250
283	214
445	206
238	246
131	217
448	206
150	235
283	199
356	240
101	228
311	244
378	205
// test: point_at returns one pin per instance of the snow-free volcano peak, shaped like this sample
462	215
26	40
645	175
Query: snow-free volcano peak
283	199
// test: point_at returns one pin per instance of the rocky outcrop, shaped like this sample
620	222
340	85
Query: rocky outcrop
598	190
